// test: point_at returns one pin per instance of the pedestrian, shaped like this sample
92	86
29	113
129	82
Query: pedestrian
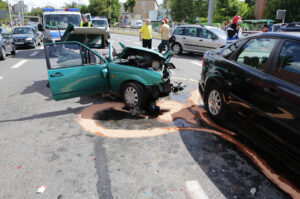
224	25
0	23
265	28
146	34
165	36
219	25
234	31
85	22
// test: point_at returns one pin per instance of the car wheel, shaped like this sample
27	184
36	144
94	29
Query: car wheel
13	52
176	49
214	102
3	54
40	42
134	95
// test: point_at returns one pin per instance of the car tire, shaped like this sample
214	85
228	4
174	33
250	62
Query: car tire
13	52
176	49
214	102
134	95
3	54
40	43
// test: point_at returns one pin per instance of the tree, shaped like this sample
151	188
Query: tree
36	12
129	5
3	5
291	6
108	8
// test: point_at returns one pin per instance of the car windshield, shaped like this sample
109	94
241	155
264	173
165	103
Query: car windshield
218	32
54	21
102	23
22	31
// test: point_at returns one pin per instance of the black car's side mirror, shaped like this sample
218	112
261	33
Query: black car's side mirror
40	27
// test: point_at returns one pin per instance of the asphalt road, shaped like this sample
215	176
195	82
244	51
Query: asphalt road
47	142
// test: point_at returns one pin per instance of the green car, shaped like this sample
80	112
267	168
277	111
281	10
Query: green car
138	75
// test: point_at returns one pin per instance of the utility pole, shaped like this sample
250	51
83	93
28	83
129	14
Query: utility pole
210	12
9	11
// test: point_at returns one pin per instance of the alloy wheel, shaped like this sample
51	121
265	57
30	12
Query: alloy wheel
214	102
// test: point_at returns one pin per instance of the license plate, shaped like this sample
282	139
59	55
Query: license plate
19	43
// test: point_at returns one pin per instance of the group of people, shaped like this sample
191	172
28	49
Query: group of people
146	35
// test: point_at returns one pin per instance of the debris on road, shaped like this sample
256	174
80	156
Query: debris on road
253	191
19	167
41	189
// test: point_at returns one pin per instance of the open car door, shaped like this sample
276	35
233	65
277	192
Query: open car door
75	70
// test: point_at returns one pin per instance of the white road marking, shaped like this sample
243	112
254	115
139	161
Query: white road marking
34	53
1	77
118	38
137	43
127	40
197	63
195	190
20	63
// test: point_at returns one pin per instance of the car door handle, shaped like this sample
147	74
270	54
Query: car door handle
271	91
56	75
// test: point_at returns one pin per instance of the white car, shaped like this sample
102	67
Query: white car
101	22
197	38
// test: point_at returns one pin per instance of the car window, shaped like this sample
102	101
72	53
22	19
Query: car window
255	52
64	55
191	31
227	52
288	66
90	58
178	31
4	31
204	33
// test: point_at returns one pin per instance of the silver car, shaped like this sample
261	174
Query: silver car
197	38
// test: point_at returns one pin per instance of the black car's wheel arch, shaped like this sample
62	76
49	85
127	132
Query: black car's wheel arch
216	80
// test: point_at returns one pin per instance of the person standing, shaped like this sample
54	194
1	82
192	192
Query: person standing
265	28
165	36
146	34
85	22
234	31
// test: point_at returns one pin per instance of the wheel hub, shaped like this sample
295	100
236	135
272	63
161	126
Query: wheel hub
214	102
131	96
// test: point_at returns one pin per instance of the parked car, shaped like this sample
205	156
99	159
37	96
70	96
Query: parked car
197	38
26	37
257	81
137	74
101	22
291	27
7	45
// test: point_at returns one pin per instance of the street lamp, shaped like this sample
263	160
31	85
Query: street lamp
210	12
9	11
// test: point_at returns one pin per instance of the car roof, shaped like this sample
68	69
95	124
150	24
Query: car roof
191	25
286	35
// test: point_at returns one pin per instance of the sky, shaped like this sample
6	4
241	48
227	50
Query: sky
55	3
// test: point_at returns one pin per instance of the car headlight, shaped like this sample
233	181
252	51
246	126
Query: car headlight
28	39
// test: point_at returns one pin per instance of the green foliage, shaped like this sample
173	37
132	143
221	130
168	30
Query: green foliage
223	9
108	8
291	6
129	5
36	12
3	5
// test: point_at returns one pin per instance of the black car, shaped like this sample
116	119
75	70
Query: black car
257	81
7	45
26	37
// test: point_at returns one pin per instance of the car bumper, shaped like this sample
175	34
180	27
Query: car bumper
25	43
161	90
201	89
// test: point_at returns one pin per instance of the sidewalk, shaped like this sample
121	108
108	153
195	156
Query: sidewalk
129	31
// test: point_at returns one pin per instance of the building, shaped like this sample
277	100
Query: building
143	7
260	6
19	7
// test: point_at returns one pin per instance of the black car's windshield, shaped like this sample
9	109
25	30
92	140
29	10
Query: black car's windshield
101	23
61	20
22	31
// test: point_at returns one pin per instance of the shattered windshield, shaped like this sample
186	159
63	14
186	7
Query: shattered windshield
61	20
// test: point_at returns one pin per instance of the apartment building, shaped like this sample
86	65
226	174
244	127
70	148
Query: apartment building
143	7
